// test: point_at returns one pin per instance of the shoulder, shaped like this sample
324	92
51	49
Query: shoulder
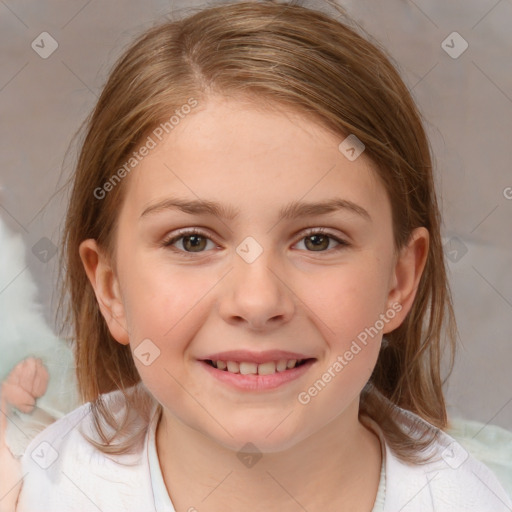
452	480
63	470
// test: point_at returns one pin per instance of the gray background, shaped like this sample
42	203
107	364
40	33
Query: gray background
467	102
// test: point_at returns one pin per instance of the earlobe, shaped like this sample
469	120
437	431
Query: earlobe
406	276
106	288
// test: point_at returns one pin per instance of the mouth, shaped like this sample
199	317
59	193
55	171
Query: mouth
256	376
251	368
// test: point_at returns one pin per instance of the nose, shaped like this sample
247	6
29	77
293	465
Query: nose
257	294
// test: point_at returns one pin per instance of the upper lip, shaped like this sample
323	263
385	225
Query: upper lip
255	357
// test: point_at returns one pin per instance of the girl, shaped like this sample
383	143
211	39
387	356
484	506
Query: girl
257	283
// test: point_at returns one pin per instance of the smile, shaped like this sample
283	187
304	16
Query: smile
251	376
250	368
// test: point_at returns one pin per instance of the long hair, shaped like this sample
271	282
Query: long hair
286	55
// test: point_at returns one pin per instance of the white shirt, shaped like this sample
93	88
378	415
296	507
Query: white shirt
63	472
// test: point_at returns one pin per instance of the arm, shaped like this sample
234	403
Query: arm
26	382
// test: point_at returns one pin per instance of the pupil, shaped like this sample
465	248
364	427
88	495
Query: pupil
195	240
317	241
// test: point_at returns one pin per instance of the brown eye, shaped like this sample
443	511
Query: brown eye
317	242
188	241
194	243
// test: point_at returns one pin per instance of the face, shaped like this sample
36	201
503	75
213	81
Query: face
261	281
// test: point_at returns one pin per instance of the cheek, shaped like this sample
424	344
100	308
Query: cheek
167	307
349	299
160	312
157	296
348	304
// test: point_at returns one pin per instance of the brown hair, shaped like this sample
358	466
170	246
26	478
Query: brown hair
291	56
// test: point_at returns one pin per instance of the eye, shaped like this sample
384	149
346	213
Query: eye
318	240
196	241
191	240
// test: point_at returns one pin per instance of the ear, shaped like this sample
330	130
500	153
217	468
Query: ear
106	288
406	276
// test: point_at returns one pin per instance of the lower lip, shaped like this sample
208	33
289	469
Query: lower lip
258	382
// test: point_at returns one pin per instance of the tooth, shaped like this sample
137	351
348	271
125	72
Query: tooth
248	368
267	368
281	365
233	367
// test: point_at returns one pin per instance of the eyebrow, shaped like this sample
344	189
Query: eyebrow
292	210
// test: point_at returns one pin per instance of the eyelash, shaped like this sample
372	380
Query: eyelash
168	242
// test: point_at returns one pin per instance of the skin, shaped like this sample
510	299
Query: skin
292	297
26	382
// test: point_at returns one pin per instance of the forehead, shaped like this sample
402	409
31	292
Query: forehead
244	155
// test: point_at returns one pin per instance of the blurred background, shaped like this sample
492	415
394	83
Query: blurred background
455	57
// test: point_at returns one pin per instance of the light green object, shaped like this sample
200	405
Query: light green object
490	444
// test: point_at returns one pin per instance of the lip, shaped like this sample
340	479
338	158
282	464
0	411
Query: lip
254	357
258	382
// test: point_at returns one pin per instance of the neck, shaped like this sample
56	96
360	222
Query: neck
325	471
